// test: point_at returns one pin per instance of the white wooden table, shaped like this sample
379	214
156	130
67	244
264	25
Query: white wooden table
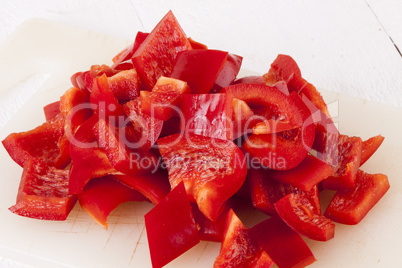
352	47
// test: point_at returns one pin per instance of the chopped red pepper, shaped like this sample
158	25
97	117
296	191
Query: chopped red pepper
199	68
51	110
298	212
238	248
283	68
206	115
102	195
171	228
212	169
196	45
369	147
228	73
129	51
156	55
351	206
125	85
281	243
43	192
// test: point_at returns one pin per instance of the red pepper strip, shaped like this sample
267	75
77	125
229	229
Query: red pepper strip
125	85
149	128
129	51
102	195
282	243
153	185
162	102
283	68
171	228
156	55
301	86
51	110
265	191
210	230
206	115
369	147
45	142
87	159
228	73
351	206
238	249
104	102
43	192
196	45
306	175
301	216
212	169
122	148
345	158
199	68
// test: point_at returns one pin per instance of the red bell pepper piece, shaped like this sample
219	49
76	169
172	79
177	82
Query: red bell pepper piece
369	147
302	217
125	85
87	159
306	175
212	169
170	127
156	55
102	195
351	206
238	249
105	104
84	80
129	51
283	68
265	191
45	142
162	102
252	79
345	157
228	73
282	87
43	192
199	68
153	185
206	115
171	228
149	128
51	110
282	243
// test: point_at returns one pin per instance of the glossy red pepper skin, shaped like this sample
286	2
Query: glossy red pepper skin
301	216
238	249
282	243
212	169
127	53
102	195
199	68
351	206
156	55
196	45
266	191
46	142
228	73
369	147
206	115
306	175
43	192
171	229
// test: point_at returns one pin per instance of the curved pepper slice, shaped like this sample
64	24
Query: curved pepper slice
156	55
43	192
212	169
102	195
282	243
301	216
45	142
369	147
238	249
171	228
351	206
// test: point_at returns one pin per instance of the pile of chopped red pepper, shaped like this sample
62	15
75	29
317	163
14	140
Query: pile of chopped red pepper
170	124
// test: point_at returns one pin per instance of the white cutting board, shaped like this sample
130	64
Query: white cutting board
38	60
